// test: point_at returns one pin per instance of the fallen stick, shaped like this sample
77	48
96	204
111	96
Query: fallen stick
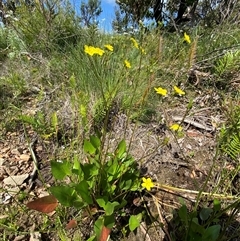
191	122
35	165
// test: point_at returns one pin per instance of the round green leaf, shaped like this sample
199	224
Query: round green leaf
109	208
83	190
212	233
205	213
95	141
88	147
65	195
134	221
60	169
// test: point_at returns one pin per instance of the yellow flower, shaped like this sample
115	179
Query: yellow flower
178	91
187	38
127	64
142	50
147	183
161	91
92	50
176	127
134	43
109	47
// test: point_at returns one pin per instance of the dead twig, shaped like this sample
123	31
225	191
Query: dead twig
35	165
176	189
193	123
161	218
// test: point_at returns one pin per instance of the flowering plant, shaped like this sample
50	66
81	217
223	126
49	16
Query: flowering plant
127	64
186	38
176	127
102	183
178	91
93	50
161	91
147	183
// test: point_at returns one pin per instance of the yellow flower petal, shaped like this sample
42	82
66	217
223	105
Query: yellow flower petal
134	43
109	47
127	64
90	50
161	91
142	50
187	38
99	51
178	91
147	183
176	127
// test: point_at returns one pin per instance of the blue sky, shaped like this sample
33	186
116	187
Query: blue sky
106	16
108	13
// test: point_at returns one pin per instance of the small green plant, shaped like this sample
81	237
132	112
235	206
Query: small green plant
229	134
200	225
3	43
228	62
16	82
229	149
41	125
105	182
